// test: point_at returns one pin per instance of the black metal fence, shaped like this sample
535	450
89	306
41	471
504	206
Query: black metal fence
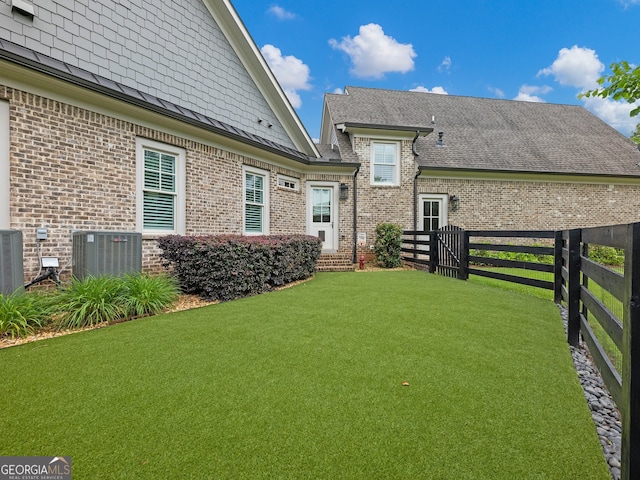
603	303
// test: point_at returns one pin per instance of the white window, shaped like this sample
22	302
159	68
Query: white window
385	165
288	183
256	201
433	211
161	187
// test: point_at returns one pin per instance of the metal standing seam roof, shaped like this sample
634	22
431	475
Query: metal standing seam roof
42	63
492	134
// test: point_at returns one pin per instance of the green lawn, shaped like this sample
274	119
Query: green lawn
306	382
612	303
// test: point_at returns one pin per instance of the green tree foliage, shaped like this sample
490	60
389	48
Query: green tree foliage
623	84
635	136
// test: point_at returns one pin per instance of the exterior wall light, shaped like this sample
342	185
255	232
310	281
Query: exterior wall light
344	191
454	203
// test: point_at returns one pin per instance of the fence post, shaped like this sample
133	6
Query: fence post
573	288
433	251
557	268
631	357
464	256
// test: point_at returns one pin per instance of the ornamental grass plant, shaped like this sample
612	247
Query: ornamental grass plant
144	294
89	302
96	300
22	313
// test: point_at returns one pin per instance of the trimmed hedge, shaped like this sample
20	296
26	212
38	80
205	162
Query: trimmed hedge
224	267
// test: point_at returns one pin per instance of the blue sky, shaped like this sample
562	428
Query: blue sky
543	50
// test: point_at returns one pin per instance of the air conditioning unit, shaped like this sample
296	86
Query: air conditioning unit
106	253
11	262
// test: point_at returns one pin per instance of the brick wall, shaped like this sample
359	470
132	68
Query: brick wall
492	204
74	169
377	204
526	205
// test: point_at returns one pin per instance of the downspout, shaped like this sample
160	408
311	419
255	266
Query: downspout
355	216
415	200
415	182
413	144
415	194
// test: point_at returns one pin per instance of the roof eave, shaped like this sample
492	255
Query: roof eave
197	120
355	128
424	168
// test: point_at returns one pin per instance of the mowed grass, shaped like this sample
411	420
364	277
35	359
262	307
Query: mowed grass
306	382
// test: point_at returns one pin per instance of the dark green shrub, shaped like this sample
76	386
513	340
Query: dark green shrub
22	313
606	255
515	256
144	294
224	267
388	244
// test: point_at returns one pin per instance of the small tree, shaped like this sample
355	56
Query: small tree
388	244
624	84
635	136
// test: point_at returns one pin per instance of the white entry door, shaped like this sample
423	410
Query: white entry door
322	214
433	212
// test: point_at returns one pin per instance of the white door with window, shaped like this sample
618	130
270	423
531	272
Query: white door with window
433	210
322	214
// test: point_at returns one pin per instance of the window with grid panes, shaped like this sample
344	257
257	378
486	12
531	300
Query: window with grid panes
384	163
159	191
161	187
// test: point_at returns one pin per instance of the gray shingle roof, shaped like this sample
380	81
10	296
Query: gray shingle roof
492	134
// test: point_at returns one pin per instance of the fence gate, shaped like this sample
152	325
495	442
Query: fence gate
450	249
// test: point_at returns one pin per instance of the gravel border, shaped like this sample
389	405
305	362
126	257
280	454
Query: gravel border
603	410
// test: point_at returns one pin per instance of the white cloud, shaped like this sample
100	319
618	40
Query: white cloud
629	3
445	65
291	72
576	67
527	97
280	13
580	68
529	93
496	91
543	89
373	53
338	91
614	113
439	90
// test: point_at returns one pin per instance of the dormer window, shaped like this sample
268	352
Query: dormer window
385	163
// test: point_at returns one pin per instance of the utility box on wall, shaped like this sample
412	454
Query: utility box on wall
11	262
106	253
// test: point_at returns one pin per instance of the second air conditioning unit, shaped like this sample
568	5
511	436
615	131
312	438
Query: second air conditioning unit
97	253
11	262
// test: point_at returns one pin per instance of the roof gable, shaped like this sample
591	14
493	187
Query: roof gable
192	53
491	134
